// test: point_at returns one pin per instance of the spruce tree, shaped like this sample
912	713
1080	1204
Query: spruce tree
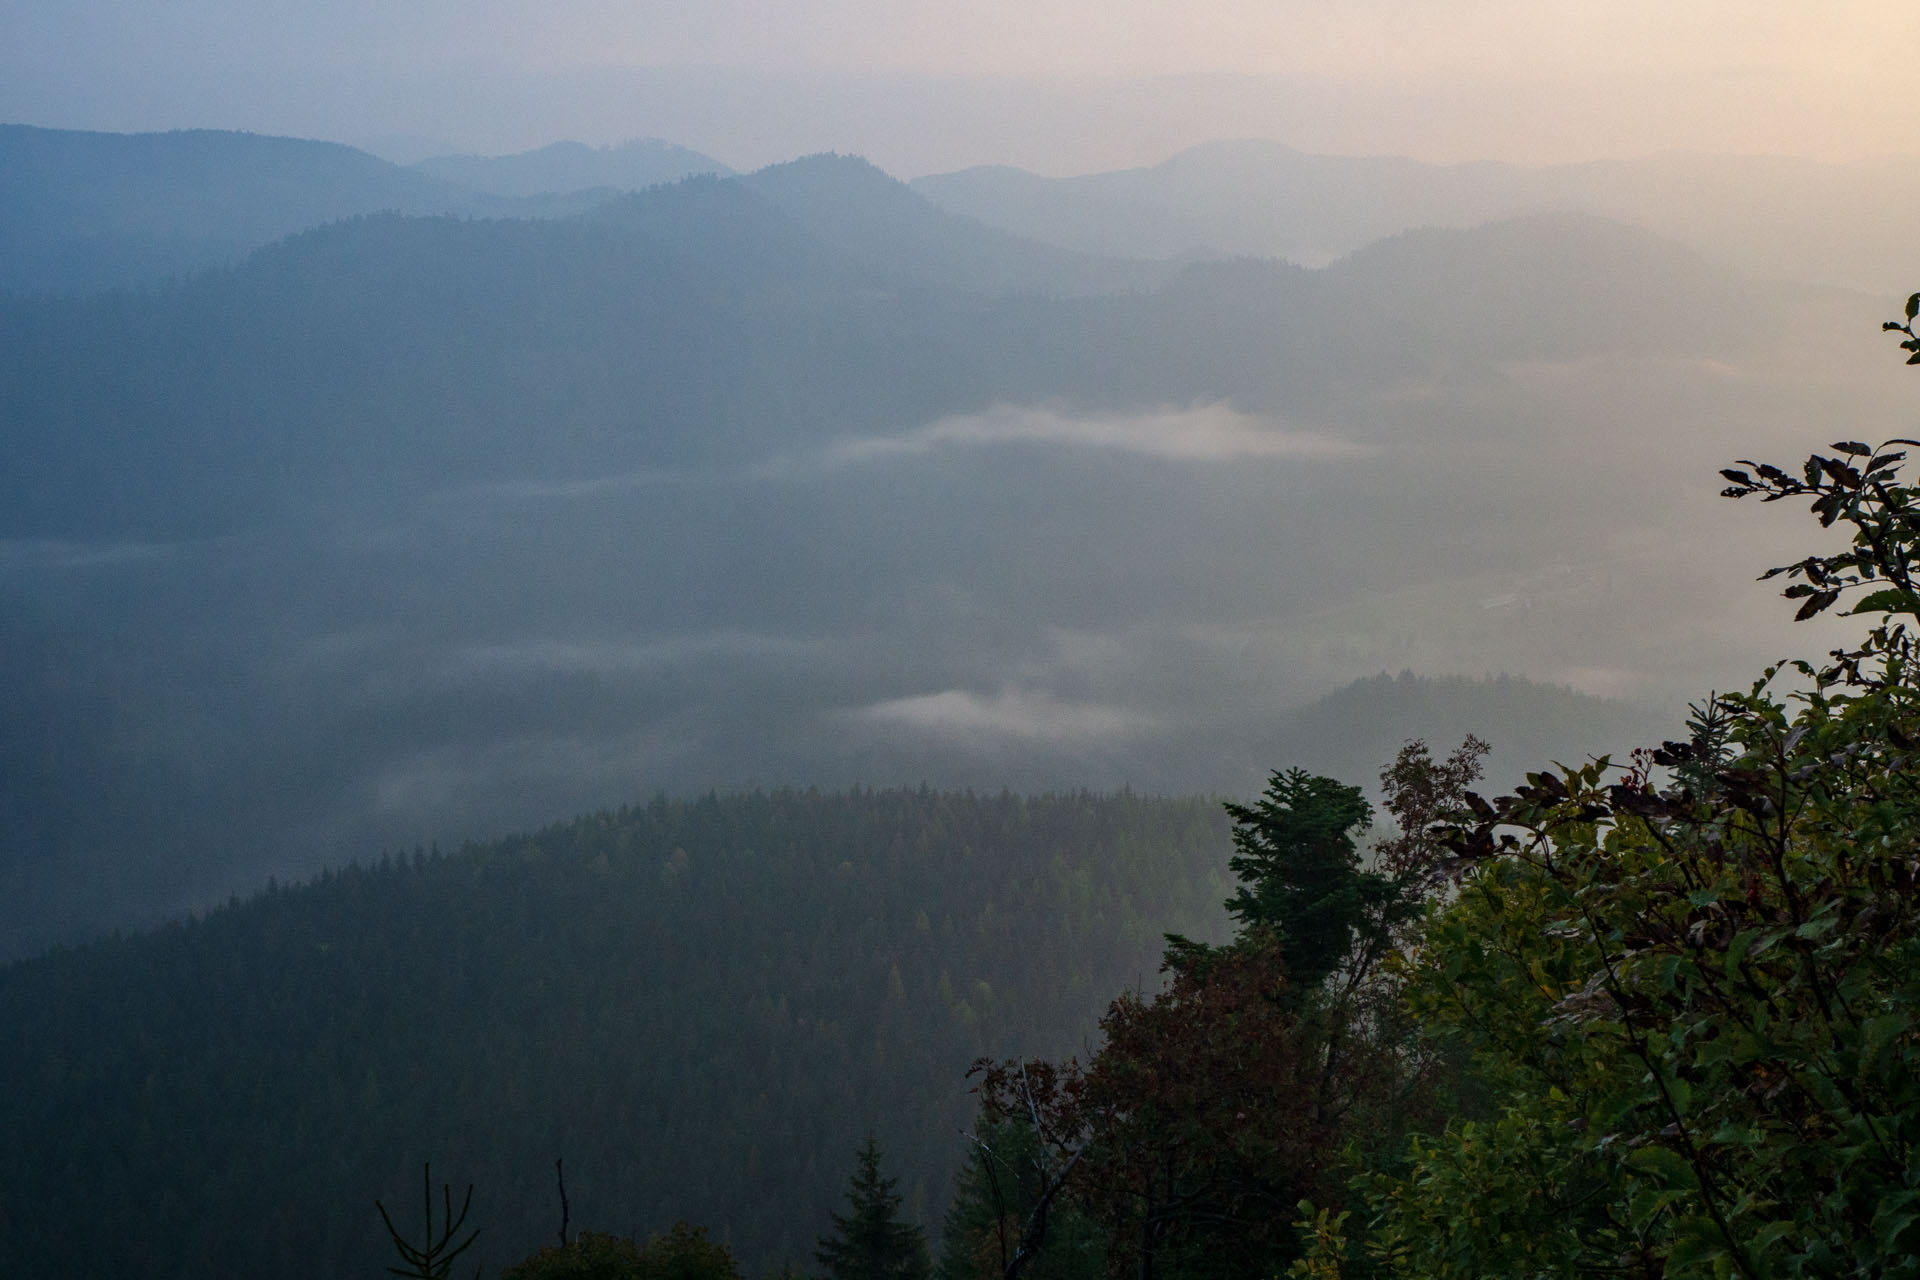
870	1242
1299	869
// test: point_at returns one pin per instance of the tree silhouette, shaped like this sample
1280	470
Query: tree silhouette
870	1242
432	1258
1299	871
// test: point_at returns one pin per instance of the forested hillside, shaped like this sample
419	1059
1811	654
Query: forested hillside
703	1006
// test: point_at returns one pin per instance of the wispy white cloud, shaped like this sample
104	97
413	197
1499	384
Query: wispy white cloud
1199	433
1033	717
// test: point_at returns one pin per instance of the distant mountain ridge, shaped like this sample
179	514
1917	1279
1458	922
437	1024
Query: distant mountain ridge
703	323
573	166
85	212
865	214
1352	732
1770	216
93	211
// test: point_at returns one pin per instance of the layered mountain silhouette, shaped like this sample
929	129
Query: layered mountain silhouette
88	212
573	166
729	321
876	220
1773	216
91	211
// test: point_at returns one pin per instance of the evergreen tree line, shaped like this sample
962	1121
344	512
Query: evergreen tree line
702	1005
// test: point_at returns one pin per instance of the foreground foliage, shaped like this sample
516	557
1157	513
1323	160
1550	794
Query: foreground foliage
1659	1020
1692	987
1215	1104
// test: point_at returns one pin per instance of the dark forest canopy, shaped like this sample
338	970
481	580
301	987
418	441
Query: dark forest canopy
703	1006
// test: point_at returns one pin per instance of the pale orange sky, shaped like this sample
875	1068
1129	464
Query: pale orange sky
1872	42
758	80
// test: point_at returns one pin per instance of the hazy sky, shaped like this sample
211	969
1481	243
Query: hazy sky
1058	85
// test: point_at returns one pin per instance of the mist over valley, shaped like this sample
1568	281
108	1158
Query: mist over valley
415	528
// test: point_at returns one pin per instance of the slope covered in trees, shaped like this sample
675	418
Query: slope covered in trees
703	1006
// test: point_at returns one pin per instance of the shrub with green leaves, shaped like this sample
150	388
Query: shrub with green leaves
1691	988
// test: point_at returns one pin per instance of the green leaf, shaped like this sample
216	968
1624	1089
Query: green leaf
1887	600
1647	1203
1826	1093
1735	1134
1666	1166
1890	1227
1695	1243
1877	1033
1819	602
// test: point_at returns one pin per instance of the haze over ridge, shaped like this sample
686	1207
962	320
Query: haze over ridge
418	528
1059	86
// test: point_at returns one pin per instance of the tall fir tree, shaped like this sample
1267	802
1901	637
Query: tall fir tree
1299	869
870	1242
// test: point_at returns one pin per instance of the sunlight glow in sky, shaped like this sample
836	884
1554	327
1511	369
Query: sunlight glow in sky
1059	85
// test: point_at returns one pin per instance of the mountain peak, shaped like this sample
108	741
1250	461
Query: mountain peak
569	165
